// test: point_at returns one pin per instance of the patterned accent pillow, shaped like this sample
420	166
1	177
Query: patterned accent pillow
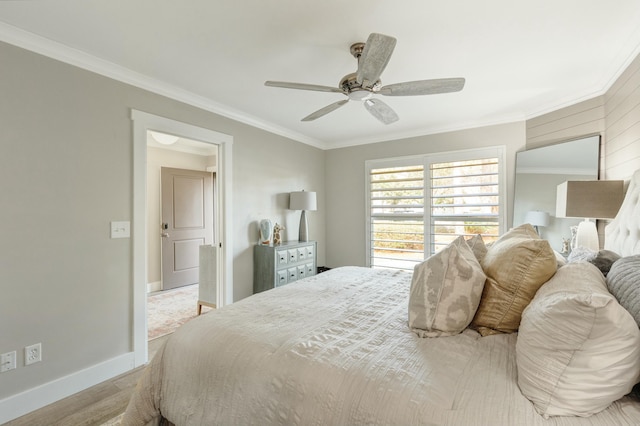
516	266
577	350
445	291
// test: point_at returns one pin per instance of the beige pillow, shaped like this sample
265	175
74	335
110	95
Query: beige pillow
578	349
477	246
516	265
445	291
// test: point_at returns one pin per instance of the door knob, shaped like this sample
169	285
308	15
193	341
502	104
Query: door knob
165	235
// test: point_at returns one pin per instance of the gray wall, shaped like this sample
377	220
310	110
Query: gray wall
66	168
345	180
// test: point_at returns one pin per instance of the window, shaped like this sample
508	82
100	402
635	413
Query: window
418	205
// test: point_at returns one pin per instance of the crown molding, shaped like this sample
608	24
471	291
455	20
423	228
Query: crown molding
61	52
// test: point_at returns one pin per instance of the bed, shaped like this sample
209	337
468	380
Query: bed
336	348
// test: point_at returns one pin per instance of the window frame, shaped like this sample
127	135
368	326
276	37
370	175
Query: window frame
426	160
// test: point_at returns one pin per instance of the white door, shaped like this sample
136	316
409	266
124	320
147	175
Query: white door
187	223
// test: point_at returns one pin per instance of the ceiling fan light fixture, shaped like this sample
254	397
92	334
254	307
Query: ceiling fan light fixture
360	95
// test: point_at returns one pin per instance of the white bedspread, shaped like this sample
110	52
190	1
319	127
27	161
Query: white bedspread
335	349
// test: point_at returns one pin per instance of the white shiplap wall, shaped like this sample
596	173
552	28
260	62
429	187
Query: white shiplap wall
581	119
622	119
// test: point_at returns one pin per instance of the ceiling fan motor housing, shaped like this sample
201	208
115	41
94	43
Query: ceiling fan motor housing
354	90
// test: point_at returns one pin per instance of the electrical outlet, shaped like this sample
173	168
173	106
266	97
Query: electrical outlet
32	354
7	361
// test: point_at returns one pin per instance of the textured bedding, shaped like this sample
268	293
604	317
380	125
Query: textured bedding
335	349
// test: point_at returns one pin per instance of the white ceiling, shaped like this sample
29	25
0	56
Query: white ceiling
520	59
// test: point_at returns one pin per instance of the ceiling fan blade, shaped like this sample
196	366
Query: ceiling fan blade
423	87
324	111
381	111
302	86
375	56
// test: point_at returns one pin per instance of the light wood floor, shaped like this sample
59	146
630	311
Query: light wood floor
93	406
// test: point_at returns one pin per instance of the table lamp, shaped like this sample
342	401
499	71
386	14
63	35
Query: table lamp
537	218
589	199
303	200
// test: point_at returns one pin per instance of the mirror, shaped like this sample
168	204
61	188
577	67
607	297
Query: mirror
538	173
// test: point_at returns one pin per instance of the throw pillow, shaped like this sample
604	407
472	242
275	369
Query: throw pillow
604	260
577	350
582	254
560	259
623	281
516	265
445	291
477	246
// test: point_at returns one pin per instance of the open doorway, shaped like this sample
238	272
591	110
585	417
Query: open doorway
181	200
181	196
142	123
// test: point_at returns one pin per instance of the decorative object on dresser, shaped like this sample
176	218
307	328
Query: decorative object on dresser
537	218
274	266
303	200
266	228
589	199
277	236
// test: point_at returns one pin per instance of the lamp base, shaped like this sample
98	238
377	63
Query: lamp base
587	235
304	228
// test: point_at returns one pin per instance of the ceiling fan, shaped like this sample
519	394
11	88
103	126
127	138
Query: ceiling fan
373	57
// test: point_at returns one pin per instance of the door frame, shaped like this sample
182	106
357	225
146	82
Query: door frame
142	122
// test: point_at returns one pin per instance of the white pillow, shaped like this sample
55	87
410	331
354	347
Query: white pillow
578	350
445	291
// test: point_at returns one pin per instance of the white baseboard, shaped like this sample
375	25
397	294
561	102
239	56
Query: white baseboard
155	286
40	396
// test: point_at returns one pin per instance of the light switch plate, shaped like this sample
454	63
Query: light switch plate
121	229
7	361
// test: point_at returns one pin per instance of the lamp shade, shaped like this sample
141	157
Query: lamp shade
594	199
302	200
537	218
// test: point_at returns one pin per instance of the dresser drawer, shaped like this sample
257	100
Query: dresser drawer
311	269
302	254
292	274
282	278
302	271
282	257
